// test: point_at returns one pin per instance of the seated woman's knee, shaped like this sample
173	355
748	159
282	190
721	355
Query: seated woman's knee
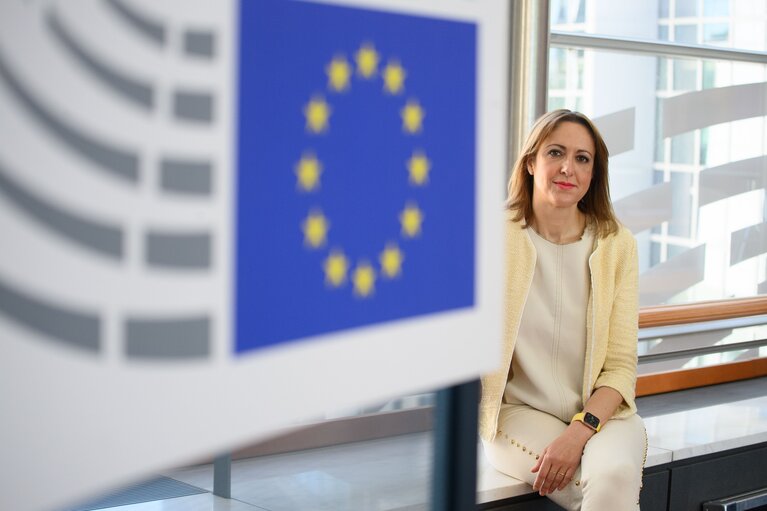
617	474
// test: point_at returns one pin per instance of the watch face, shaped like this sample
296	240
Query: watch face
591	420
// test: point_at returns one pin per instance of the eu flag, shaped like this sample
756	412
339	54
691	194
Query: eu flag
356	169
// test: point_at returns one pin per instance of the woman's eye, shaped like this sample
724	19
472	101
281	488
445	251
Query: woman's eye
555	152
583	159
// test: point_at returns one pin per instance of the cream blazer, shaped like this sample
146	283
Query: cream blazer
611	327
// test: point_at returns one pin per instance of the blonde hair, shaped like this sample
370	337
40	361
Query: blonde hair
596	204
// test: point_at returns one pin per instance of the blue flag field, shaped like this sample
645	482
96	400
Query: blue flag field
356	178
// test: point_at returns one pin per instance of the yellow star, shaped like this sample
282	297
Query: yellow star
418	166
336	265
315	229
317	113
364	278
412	117
411	219
394	77
339	71
367	60
308	171
391	260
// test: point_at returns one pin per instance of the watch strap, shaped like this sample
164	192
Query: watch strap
581	417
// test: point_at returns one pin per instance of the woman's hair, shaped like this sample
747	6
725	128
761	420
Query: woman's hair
595	204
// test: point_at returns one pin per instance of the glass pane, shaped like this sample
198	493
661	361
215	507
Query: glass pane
685	74
648	20
565	78
558	11
686	34
580	17
663	33
675	250
686	8
663	8
709	74
687	181
682	147
703	152
716	32
557	70
716	8
662	74
555	103
567	12
685	341
681	209
654	253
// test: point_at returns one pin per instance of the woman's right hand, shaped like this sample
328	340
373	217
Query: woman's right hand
558	462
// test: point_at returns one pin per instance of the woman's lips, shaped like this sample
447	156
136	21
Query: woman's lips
565	186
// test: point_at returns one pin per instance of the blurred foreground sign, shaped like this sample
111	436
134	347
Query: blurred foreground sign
233	218
356	187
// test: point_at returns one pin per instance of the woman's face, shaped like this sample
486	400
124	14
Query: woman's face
562	167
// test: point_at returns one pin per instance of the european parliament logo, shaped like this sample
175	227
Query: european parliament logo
356	169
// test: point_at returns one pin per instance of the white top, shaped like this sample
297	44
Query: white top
547	366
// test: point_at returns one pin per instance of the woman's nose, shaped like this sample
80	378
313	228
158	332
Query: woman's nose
566	166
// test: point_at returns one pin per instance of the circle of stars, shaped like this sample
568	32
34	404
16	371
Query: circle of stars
337	267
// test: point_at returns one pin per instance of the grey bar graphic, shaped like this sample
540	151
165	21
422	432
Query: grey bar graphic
747	243
193	106
707	107
132	89
81	330
645	208
100	237
167	338
617	129
152	30
717	183
117	162
186	176
177	250
667	279
199	43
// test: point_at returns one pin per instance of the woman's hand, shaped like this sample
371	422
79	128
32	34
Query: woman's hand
559	461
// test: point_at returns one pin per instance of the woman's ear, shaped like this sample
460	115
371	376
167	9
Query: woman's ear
529	164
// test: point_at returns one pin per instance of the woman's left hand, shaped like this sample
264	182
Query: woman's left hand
560	459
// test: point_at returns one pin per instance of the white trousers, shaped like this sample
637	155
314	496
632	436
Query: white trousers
610	474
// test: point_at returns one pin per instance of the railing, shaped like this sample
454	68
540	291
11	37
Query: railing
694	318
665	315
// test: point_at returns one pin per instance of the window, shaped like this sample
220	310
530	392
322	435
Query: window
692	210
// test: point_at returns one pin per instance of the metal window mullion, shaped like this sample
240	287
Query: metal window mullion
655	48
708	326
529	52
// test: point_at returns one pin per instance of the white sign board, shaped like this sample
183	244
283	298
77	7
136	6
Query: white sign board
218	219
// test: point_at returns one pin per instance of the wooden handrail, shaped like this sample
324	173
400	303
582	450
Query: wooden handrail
664	315
659	383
